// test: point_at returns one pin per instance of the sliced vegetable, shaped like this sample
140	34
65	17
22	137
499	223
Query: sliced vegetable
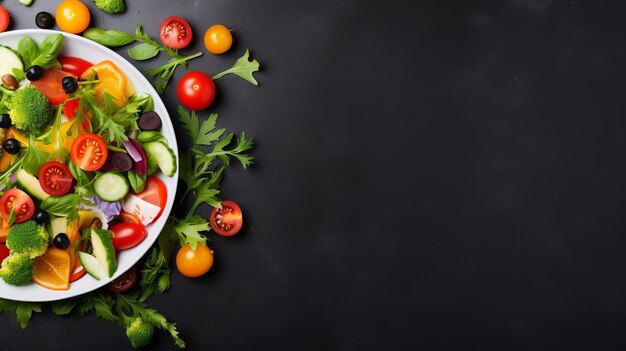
90	264
31	185
111	186
175	32
166	159
103	250
4	252
124	282
50	84
55	178
145	211
9	59
226	221
121	162
149	121
89	152
17	202
52	269
140	166
74	65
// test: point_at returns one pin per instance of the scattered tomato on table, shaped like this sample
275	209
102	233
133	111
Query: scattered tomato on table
196	90
218	39
72	16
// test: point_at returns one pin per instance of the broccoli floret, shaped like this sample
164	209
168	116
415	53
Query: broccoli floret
28	238
153	165
139	332
30	109
17	269
111	6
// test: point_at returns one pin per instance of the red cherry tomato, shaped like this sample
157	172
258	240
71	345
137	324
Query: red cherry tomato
20	202
50	84
127	235
128	217
124	282
228	220
196	90
71	107
74	65
192	263
55	178
5	18
4	252
89	152
155	193
175	32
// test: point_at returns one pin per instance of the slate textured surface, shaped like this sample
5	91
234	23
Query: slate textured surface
429	175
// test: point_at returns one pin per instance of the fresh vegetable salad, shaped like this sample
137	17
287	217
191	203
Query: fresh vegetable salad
79	152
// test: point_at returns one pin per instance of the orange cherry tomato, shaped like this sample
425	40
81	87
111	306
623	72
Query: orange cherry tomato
72	16
192	263
218	39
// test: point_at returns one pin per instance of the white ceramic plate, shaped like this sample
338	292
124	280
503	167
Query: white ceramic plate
74	45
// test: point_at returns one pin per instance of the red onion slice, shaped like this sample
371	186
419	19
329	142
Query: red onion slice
141	167
132	150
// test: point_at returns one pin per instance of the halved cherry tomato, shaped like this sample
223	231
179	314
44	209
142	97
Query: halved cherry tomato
72	16
155	193
196	90
127	235
218	39
5	18
228	220
192	263
74	65
55	178
89	152
175	32
50	84
78	272
20	202
124	282
4	252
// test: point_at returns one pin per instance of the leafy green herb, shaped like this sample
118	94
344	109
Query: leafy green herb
109	38
164	73
44	55
22	310
243	68
143	51
137	182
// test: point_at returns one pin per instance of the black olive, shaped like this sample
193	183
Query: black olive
44	20
5	120
41	217
11	146
69	84
34	73
61	241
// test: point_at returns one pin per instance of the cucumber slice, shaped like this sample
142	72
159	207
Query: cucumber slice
91	264
8	61
57	225
26	2
111	186
164	155
30	184
148	136
103	250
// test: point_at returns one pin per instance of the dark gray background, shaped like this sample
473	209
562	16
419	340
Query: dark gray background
440	175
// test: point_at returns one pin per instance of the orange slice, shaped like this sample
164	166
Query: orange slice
111	80
52	269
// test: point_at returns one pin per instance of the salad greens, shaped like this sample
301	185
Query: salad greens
202	174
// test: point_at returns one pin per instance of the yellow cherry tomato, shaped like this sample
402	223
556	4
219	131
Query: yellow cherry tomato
218	39
72	16
192	263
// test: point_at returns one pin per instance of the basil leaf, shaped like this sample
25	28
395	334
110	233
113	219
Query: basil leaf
137	182
48	51
28	49
60	205
109	38
143	51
